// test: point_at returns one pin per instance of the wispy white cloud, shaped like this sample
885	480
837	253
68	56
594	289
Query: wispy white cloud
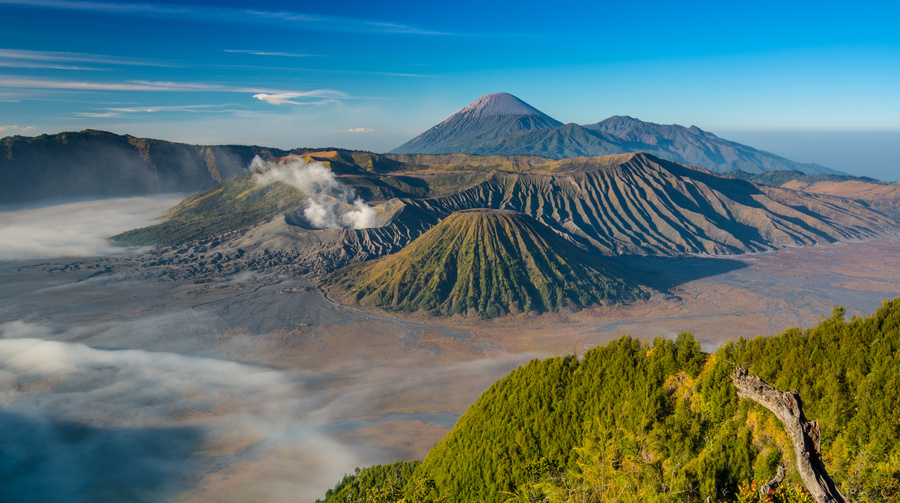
22	58
97	115
316	97
171	108
81	85
122	8
265	53
360	130
234	15
323	70
42	66
274	96
287	16
120	111
400	28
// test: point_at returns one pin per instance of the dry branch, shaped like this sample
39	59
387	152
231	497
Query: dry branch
804	434
773	484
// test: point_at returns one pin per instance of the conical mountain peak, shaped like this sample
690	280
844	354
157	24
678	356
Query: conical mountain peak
487	263
477	126
503	104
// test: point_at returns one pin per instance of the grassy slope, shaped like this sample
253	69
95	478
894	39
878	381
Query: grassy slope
662	422
230	205
484	262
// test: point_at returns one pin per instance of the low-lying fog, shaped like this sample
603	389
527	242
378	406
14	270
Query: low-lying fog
75	229
157	404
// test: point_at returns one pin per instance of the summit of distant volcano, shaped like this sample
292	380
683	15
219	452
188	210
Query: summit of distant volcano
503	104
479	125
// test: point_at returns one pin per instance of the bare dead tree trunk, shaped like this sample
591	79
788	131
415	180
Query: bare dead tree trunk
773	484
804	434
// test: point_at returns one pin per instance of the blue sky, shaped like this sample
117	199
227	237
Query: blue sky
372	75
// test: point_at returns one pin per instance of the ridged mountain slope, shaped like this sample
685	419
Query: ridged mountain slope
484	262
696	147
486	119
644	205
880	196
569	140
623	204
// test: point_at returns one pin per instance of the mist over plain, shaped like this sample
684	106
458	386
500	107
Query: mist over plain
75	229
113	388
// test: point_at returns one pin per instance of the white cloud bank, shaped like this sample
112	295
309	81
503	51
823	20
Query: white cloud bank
78	229
331	205
87	424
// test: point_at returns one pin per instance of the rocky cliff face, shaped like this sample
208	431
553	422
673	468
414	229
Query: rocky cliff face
97	163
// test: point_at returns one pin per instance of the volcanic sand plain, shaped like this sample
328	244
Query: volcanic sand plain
256	387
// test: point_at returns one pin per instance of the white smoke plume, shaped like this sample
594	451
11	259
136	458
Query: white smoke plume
331	205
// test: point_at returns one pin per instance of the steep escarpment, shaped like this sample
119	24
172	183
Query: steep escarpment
98	163
645	205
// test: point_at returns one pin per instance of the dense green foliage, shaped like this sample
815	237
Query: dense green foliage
375	483
235	203
619	393
487	263
848	375
634	421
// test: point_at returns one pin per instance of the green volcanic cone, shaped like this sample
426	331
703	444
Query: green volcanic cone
487	263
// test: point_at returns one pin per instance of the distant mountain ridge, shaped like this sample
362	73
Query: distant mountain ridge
98	163
501	124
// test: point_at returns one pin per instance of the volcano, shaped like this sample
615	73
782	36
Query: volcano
487	263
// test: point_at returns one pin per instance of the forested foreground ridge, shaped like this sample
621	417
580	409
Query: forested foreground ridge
661	421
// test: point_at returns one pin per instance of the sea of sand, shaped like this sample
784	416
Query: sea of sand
257	388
